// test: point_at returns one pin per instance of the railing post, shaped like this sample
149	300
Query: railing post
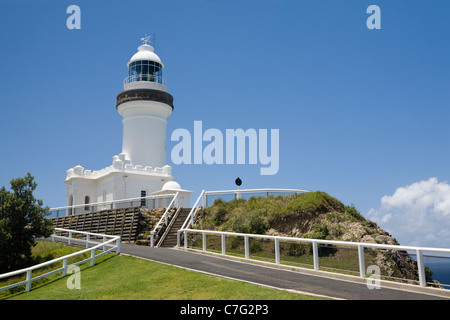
204	199
28	286
118	242
185	239
92	257
152	237
204	241
178	238
222	237
362	264
104	240
69	242
421	267
88	238
247	253
64	272
315	255
277	251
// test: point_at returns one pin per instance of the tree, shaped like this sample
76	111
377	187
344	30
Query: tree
22	220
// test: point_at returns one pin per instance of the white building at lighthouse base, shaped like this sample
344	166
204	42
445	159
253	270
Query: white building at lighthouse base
121	181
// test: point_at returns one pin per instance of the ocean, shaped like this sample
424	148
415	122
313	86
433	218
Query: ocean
441	270
440	265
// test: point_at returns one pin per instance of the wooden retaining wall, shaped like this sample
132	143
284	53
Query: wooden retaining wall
117	222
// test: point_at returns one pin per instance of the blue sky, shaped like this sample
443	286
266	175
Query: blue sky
361	112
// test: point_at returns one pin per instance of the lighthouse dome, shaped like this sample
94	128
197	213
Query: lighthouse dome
145	70
145	53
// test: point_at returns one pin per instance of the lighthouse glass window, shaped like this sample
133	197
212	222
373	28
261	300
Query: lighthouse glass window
145	71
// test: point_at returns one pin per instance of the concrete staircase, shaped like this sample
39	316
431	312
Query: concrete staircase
169	238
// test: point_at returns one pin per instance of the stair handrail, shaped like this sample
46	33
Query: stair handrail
163	217
191	215
168	228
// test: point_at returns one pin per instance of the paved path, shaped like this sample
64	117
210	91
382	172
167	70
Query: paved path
273	277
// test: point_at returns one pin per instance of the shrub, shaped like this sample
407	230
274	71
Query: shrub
243	221
295	249
320	231
255	245
354	213
311	202
22	220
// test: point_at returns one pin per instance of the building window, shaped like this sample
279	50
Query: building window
70	205
86	201
143	200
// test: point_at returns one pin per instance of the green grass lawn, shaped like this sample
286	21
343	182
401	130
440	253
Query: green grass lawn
129	278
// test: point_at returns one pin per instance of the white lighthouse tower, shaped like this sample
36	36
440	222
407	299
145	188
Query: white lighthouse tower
145	106
140	169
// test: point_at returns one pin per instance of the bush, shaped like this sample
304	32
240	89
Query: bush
354	213
242	221
22	220
255	245
295	249
311	202
219	216
320	231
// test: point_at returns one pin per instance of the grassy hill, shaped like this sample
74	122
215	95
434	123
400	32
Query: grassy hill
315	215
309	215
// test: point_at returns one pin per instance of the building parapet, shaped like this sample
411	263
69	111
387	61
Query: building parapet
120	164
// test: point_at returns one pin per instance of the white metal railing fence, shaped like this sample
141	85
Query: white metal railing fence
207	197
419	251
113	242
148	202
164	219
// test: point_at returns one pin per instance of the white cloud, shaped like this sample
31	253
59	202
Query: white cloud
418	214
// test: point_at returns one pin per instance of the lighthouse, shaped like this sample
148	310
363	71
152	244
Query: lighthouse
145	106
140	170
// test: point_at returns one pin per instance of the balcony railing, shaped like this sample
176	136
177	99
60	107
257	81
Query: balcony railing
145	78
